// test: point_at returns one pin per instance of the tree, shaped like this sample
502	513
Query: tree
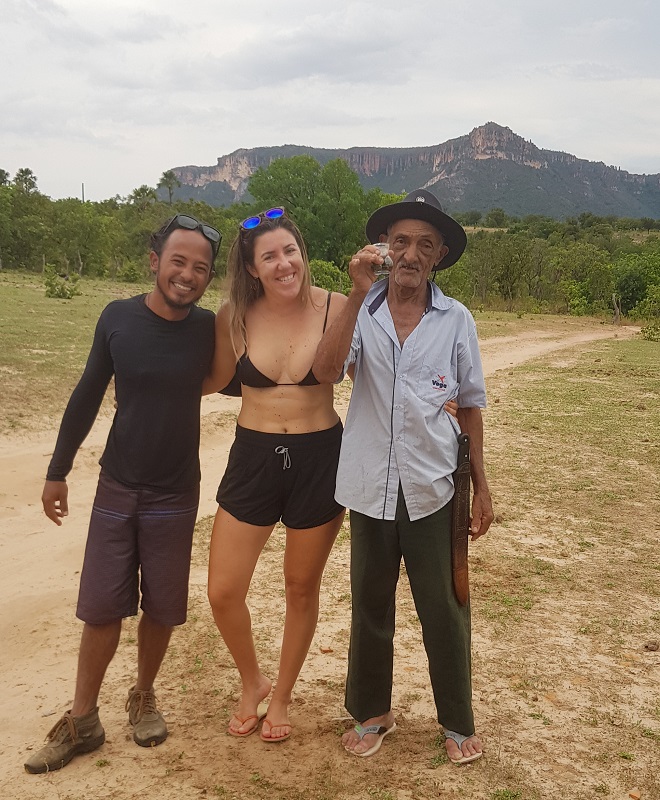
25	180
586	276
634	275
479	261
496	218
30	229
289	182
472	217
5	224
510	264
4	177
168	180
79	238
339	214
292	183
539	283
143	196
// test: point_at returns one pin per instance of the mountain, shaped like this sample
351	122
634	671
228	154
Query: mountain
487	168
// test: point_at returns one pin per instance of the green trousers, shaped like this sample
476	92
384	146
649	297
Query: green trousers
376	550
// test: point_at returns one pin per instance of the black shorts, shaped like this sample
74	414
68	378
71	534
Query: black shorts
139	544
289	477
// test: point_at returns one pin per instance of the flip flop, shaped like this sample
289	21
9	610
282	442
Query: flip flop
459	739
261	713
380	730
275	738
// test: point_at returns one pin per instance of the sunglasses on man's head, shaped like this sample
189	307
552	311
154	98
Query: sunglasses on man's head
252	222
191	224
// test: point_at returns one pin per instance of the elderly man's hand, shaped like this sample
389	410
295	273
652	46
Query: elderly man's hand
482	514
362	265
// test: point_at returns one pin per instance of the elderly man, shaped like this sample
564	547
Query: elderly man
158	346
409	350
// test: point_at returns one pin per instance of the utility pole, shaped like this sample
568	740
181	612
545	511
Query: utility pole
83	192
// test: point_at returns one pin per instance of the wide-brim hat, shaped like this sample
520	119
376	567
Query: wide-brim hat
423	205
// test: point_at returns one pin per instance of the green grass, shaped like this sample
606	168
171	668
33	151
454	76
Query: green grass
45	342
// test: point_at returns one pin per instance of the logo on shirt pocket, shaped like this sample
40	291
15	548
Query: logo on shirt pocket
438	383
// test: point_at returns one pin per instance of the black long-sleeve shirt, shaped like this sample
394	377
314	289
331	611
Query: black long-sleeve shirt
159	367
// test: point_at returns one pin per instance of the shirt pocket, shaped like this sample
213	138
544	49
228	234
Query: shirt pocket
436	383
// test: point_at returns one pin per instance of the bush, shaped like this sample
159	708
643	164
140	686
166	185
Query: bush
326	275
649	307
130	272
575	294
62	287
651	332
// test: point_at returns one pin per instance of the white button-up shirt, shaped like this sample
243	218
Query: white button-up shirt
396	427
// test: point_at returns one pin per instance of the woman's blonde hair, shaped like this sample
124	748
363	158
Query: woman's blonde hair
244	289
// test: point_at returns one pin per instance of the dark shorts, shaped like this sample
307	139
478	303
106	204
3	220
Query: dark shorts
139	543
291	476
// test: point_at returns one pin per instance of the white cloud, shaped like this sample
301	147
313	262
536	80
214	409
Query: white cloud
113	93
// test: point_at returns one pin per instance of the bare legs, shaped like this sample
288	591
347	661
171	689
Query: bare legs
305	558
235	548
153	639
98	645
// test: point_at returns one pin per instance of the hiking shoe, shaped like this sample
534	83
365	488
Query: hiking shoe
149	727
68	737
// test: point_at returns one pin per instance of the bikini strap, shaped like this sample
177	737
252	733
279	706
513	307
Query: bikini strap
327	309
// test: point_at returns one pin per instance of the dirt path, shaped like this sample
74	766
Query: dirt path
39	565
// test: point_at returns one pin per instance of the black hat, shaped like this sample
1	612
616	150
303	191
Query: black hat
423	205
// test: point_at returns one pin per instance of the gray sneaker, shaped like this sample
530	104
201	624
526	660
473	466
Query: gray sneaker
68	737
149	727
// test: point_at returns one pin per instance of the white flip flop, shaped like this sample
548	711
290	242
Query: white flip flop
380	730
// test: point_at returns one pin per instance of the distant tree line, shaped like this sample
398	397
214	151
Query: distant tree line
582	265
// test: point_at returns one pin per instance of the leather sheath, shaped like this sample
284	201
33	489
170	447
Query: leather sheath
460	526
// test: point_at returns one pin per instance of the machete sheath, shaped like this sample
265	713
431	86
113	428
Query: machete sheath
460	523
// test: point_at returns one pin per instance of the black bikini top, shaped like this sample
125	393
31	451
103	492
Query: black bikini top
249	375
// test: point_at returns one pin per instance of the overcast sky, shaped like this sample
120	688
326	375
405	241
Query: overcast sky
112	93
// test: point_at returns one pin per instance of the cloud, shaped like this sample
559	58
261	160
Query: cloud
125	89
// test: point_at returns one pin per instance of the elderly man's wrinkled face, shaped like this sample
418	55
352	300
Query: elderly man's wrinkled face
417	247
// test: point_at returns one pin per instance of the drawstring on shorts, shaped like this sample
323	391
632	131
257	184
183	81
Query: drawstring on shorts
284	451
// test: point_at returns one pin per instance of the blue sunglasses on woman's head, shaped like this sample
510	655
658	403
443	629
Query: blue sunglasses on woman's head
252	222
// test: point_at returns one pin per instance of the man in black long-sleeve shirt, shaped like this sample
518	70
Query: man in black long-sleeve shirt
159	348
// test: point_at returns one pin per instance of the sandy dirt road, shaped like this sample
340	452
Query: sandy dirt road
39	567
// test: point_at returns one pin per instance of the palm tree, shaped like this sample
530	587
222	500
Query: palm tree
169	181
25	180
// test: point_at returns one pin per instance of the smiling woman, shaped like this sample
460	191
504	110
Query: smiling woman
283	463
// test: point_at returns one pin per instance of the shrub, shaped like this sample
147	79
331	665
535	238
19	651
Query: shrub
130	272
651	332
326	275
62	287
649	307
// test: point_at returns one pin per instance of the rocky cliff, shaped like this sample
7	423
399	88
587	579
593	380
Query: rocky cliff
489	167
